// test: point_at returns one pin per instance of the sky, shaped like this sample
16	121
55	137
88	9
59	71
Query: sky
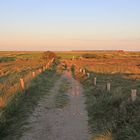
37	25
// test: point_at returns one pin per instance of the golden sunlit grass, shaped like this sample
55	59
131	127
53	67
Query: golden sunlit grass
106	67
12	88
109	66
19	66
9	92
99	54
12	71
105	62
14	116
22	84
114	110
105	136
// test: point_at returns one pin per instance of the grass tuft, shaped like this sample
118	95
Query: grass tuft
113	112
14	116
62	98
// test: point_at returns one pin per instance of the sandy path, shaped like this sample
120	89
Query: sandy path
69	123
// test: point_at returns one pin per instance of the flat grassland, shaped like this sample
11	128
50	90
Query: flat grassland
112	115
16	65
111	62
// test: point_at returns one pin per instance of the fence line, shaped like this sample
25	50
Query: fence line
21	84
108	84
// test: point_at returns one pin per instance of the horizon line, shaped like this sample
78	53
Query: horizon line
69	50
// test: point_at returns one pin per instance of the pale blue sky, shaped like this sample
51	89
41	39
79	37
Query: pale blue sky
69	24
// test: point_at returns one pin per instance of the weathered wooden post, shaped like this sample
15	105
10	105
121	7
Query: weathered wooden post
44	68
84	71
40	70
22	83
95	81
33	74
133	94
88	75
108	87
73	58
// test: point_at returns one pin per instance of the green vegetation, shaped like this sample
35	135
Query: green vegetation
73	70
29	55
62	98
113	116
14	116
87	55
22	54
7	59
68	55
98	54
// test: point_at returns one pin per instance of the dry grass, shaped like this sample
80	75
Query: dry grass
11	72
111	115
11	88
105	136
19	66
129	66
14	116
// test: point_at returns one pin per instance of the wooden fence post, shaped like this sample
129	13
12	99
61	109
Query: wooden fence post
44	68
40	70
108	87
133	94
22	83
84	71
73	58
88	75
33	74
95	81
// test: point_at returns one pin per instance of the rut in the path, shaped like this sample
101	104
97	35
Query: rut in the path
69	123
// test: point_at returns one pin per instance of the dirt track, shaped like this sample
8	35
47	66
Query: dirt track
51	123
